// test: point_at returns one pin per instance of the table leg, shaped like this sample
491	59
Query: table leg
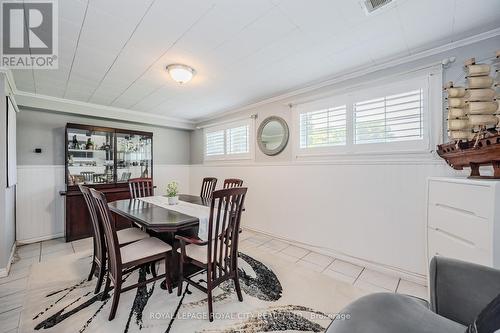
174	258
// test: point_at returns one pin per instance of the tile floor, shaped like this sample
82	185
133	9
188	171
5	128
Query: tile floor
12	288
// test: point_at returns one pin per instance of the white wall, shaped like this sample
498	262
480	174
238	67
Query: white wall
370	210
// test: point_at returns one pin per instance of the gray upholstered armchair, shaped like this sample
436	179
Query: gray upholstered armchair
459	291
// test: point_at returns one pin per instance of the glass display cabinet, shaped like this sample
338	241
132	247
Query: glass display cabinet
105	159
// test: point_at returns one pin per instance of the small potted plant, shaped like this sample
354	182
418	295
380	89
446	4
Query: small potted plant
173	193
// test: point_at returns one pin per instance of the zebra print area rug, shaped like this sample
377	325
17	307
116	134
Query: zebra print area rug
278	297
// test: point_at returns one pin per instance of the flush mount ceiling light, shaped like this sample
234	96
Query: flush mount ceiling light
180	73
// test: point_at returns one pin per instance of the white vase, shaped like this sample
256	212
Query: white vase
173	200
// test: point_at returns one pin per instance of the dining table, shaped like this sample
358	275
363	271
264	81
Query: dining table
163	223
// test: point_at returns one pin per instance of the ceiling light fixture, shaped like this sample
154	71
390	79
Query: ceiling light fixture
180	73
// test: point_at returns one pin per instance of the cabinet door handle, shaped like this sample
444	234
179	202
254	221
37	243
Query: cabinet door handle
468	212
460	239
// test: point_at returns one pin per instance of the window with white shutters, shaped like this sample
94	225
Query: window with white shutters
214	143
323	128
237	140
383	118
390	118
228	141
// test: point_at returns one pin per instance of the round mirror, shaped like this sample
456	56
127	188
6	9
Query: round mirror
272	136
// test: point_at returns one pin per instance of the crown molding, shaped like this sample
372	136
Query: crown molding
358	72
56	104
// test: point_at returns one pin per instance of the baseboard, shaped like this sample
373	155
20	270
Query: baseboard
400	273
5	271
39	239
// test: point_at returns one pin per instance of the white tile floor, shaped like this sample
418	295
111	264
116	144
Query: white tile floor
12	288
361	277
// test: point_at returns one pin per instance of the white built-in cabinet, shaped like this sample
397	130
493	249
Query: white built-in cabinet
463	220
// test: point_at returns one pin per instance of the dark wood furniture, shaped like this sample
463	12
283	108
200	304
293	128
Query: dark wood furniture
143	252
77	219
125	237
140	187
219	255
207	187
232	182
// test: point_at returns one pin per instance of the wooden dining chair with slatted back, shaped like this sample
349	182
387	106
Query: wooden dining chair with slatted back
219	256
232	182
126	258
140	187
125	236
207	187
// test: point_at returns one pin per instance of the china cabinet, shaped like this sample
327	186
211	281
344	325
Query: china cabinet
105	159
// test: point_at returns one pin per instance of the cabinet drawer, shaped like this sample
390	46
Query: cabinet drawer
443	244
461	224
475	199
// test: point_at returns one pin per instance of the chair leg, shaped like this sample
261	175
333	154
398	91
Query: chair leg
92	270
116	299
210	302
168	280
100	278
106	287
153	269
181	276
237	287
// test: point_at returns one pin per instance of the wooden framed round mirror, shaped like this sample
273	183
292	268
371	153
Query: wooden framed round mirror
273	135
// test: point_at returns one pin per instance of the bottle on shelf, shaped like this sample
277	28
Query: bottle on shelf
89	145
75	144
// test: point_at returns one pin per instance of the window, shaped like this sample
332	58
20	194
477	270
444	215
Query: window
228	141
389	119
323	128
215	143
380	118
237	140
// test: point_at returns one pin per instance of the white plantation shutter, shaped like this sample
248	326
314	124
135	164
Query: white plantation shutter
228	141
389	119
214	143
323	128
237	140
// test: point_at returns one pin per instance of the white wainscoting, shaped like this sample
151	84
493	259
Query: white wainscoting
371	213
40	208
165	173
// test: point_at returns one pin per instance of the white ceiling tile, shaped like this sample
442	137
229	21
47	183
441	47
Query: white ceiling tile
259	34
243	51
382	36
103	36
163	25
425	21
322	19
226	20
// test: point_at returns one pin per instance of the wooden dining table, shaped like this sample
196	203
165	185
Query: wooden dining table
163	223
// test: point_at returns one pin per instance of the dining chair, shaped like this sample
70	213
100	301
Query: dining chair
207	187
123	259
219	254
125	236
232	182
140	187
